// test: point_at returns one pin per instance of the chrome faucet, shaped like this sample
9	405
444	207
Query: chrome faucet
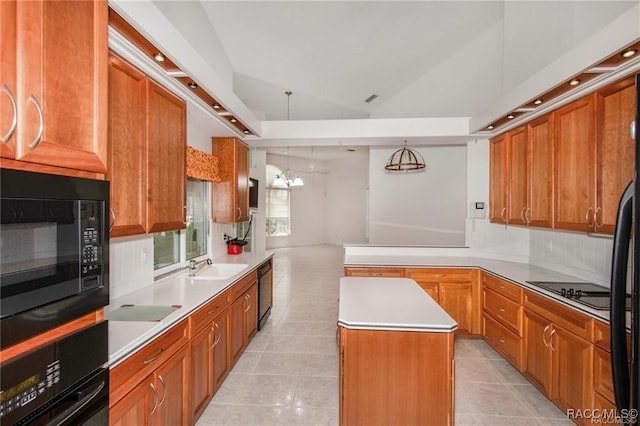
194	266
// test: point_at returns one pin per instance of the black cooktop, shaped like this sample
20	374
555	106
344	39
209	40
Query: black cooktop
589	294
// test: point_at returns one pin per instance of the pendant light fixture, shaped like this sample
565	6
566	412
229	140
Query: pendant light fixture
286	179
405	160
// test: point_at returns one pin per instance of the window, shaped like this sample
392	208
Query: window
172	249
278	207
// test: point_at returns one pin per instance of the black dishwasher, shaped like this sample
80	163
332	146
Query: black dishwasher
265	292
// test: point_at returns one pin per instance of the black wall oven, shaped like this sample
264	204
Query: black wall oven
53	251
61	383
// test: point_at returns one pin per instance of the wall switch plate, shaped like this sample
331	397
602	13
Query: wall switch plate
478	210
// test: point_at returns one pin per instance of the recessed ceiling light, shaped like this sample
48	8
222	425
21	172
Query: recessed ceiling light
216	106
510	116
537	102
629	53
193	85
233	120
574	82
159	57
490	127
246	132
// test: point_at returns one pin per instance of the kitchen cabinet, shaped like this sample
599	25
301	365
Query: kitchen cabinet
209	331
502	320
8	69
539	210
150	386
574	165
413	380
558	354
456	291
521	175
147	153
374	272
498	179
615	114
60	109
127	148
517	176
243	315
230	196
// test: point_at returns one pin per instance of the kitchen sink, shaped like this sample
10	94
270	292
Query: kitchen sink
219	271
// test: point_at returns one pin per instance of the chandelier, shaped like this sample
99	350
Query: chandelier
286	179
405	160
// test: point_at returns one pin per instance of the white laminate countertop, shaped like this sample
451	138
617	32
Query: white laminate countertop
125	337
518	273
397	304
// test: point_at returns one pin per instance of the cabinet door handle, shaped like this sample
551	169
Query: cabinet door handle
155	399
217	335
553	331
38	137
164	390
154	357
503	214
595	218
14	120
247	298
587	215
113	219
338	336
527	217
522	213
543	333
239	213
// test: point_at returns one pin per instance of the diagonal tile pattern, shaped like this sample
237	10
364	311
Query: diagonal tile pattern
289	373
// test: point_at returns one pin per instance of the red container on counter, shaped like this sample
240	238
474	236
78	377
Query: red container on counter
234	249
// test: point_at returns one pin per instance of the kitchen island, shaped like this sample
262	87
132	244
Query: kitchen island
396	354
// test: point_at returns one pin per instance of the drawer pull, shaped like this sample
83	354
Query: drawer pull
501	287
501	309
214	310
153	358
501	341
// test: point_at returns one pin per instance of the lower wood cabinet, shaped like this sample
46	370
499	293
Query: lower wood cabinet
159	399
244	322
396	377
457	291
374	272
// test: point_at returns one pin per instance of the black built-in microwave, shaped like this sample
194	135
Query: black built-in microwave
54	254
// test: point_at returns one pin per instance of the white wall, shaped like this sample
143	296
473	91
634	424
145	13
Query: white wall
306	205
346	200
423	208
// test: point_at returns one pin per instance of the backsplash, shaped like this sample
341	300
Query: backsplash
581	255
130	264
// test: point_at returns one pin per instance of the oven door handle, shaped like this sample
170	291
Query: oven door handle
86	395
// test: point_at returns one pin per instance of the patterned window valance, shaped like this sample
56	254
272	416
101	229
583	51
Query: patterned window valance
201	165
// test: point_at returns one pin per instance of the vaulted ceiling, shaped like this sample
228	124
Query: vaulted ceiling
421	58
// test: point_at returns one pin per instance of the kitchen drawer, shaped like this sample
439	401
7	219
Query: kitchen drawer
502	287
374	272
505	342
440	275
243	284
564	316
208	312
126	375
602	378
602	335
506	311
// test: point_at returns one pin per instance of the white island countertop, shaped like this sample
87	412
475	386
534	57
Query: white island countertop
396	304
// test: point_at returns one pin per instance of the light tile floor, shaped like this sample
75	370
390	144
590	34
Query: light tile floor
289	373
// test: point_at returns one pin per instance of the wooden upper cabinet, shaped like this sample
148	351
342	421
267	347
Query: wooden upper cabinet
61	85
517	176
230	196
574	165
616	112
497	177
540	172
127	148
166	159
8	105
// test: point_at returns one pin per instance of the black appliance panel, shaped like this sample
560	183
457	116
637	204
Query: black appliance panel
265	290
588	294
55	251
37	384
